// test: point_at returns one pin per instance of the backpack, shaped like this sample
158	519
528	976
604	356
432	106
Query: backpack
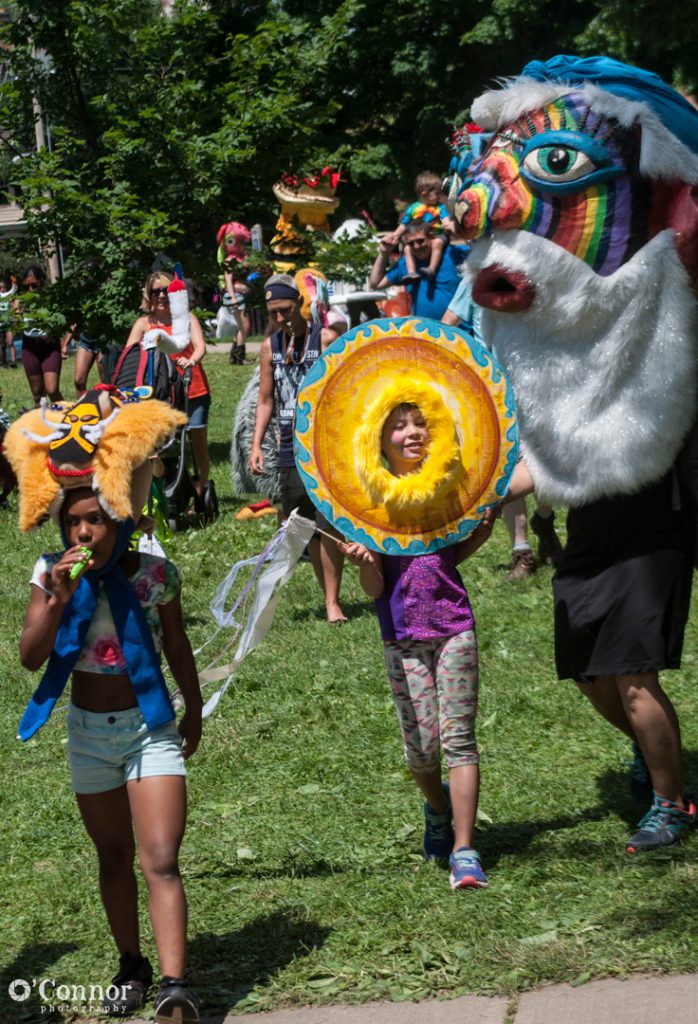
150	367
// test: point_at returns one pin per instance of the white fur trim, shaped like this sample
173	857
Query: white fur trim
181	326
603	368
662	156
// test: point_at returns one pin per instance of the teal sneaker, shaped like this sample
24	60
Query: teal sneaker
640	778
664	824
466	871
438	830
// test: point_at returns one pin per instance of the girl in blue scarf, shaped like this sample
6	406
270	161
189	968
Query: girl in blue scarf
105	615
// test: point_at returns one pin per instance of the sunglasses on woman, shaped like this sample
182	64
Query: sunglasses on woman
158	291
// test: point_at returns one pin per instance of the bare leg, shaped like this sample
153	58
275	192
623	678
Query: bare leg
83	365
656	726
604	696
10	339
107	819
51	383
158	806
328	563
36	383
523	563
637	705
438	247
464	784
243	322
514	515
101	369
432	789
410	265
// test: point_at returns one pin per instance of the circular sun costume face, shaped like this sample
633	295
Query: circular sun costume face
468	409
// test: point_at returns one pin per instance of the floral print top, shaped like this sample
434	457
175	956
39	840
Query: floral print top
156	581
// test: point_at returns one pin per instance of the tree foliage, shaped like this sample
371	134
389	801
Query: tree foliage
161	126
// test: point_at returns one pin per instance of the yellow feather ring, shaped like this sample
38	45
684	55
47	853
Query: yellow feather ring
342	407
404	497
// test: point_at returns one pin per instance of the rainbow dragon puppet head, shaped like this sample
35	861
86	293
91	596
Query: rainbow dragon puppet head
583	217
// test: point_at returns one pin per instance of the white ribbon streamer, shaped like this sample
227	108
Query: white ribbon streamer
272	569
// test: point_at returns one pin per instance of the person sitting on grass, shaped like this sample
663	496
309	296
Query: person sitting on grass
428	632
428	209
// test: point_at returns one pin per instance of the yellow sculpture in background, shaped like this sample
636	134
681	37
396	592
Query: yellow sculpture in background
306	201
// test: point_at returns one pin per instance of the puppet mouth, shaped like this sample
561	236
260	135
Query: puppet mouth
506	291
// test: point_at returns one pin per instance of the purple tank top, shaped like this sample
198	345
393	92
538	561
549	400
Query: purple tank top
424	597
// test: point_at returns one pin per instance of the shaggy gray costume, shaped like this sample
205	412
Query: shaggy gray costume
244	482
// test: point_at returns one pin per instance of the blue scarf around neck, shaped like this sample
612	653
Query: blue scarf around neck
134	636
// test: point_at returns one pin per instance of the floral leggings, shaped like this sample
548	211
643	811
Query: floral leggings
434	684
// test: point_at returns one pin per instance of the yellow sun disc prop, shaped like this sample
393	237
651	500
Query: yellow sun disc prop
469	409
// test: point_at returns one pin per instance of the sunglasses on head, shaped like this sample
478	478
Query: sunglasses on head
158	291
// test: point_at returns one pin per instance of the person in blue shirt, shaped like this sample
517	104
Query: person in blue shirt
430	296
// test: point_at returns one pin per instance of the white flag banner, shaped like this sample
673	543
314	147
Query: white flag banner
272	569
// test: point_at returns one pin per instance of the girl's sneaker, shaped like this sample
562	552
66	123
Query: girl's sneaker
466	872
129	988
438	830
175	1003
664	824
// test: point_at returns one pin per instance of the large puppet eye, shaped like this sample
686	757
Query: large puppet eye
558	164
566	161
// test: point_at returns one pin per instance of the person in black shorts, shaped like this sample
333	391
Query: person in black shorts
621	600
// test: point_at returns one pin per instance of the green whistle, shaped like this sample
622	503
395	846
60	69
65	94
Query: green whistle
79	566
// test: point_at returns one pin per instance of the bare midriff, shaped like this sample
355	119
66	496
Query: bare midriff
93	691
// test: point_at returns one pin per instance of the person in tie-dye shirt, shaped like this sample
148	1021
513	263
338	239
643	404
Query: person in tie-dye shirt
429	209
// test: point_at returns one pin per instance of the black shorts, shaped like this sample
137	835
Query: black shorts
294	495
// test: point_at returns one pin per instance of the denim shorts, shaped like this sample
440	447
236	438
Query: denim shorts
107	750
89	345
197	411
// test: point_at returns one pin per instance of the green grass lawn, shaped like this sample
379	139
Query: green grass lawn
302	855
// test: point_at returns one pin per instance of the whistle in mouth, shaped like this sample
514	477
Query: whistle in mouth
79	566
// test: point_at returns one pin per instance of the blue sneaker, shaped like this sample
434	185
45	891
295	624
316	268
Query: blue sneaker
438	830
466	872
664	824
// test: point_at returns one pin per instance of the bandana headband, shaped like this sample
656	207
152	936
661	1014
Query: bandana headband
274	292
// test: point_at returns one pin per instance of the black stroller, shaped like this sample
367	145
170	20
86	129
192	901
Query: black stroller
178	481
156	370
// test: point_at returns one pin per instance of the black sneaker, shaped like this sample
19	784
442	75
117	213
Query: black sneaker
129	988
175	1003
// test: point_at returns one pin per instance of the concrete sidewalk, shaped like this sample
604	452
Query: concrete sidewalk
223	349
639	1000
